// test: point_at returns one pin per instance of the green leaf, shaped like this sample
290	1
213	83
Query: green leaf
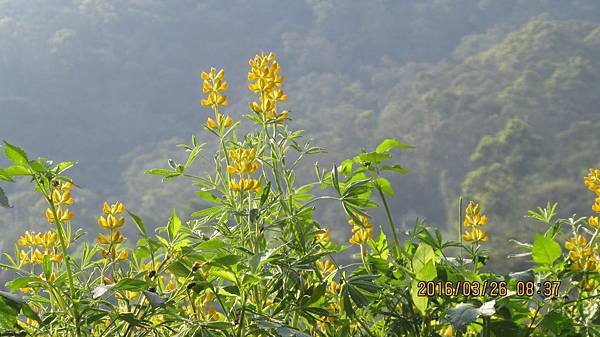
389	144
15	154
5	176
160	172
211	244
422	256
17	170
228	260
62	167
385	185
218	325
209	212
139	223
8	314
428	272
545	250
208	197
174	226
419	301
131	284
179	269
395	168
3	199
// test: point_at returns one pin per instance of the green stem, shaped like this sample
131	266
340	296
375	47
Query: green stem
61	237
390	220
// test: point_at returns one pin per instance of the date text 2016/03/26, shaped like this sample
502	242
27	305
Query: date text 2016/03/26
486	288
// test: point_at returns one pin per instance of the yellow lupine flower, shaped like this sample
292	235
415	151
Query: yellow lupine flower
245	185
110	222
592	180
596	205
26	240
334	288
123	255
361	236
326	267
212	314
114	209
323	237
63	215
476	235
365	222
447	331
24	258
213	85
475	220
37	257
243	161
63	198
593	221
265	80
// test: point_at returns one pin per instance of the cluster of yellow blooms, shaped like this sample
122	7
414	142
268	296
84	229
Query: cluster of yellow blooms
474	220
244	164
213	85
265	81
323	236
206	309
61	196
326	267
361	233
112	223
581	252
47	241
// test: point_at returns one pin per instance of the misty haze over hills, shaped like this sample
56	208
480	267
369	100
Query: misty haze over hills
115	85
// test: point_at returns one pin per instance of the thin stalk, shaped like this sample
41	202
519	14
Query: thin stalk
390	220
63	245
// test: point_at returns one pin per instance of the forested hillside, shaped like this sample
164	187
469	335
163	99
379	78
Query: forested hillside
500	98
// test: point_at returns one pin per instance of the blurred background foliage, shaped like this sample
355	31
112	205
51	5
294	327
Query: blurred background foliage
501	98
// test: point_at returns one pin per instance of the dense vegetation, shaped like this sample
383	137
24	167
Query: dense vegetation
96	80
257	263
